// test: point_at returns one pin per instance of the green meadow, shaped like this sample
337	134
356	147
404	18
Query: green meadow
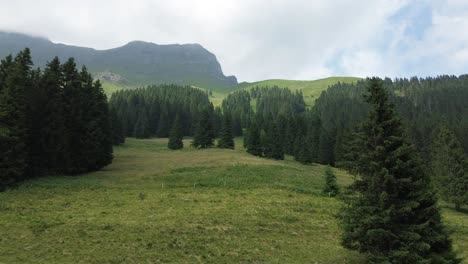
310	89
153	205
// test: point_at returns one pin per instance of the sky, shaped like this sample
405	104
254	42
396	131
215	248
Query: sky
268	39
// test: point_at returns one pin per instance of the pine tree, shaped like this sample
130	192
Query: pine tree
13	116
351	150
153	115
101	134
253	144
331	188
226	139
176	135
4	69
89	124
394	216
204	134
301	152
74	107
118	136
142	127
163	125
273	145
52	125
35	117
326	148
448	168
313	139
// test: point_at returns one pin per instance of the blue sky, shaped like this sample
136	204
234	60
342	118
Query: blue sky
264	39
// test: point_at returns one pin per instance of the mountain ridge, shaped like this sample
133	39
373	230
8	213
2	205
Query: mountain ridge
139	62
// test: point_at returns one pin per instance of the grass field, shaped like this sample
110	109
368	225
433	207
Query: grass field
310	89
153	205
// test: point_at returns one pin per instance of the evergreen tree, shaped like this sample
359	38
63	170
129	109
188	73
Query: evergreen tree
17	77
142	127
331	188
35	122
176	135
204	135
153	115
226	139
272	143
54	124
253	144
118	136
326	148
394	216
301	153
163	126
75	123
351	151
313	139
4	69
448	168
91	132
99	128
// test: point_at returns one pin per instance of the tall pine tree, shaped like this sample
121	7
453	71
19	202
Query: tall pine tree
117	129
449	168
204	134
142	126
326	148
163	124
273	144
176	135
253	144
226	139
75	123
48	116
17	77
393	215
330	188
99	128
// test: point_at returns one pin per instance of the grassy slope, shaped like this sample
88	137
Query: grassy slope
153	205
310	89
110	88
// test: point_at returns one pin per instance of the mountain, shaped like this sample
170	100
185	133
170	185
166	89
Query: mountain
310	89
136	63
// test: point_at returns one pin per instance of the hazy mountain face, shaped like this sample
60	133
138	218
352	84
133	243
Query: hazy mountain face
136	63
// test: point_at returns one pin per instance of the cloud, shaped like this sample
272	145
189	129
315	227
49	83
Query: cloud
260	39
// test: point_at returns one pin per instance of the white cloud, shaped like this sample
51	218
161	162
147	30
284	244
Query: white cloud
260	39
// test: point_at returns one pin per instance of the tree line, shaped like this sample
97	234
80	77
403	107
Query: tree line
52	121
170	111
424	104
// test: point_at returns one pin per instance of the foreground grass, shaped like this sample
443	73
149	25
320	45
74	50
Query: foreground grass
158	206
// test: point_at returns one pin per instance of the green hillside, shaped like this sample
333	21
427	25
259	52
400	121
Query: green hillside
310	89
110	88
153	205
